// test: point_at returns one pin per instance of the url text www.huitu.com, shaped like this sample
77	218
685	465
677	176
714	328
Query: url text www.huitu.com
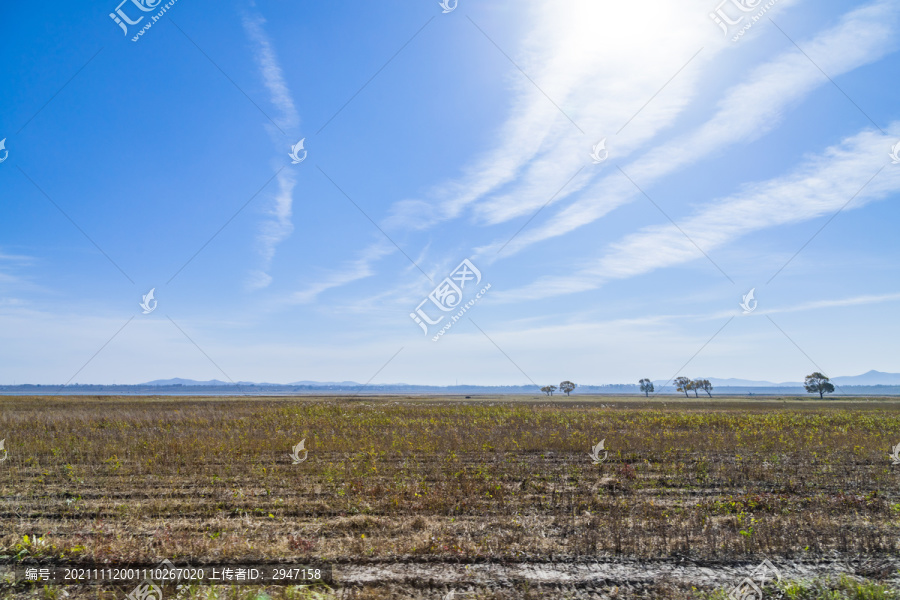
754	19
154	19
458	316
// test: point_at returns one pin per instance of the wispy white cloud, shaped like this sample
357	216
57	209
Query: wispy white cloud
823	185
539	149
279	227
270	70
600	74
590	69
353	271
9	263
836	303
22	258
864	300
747	111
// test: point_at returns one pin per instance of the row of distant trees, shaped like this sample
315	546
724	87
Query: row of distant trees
816	383
565	386
683	384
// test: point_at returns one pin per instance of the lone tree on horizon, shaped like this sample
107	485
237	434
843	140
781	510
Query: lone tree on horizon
646	386
548	389
567	387
818	383
683	384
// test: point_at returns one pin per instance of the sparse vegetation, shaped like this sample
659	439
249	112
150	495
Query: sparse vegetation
421	479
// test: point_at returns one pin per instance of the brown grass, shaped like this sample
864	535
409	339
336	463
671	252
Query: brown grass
392	479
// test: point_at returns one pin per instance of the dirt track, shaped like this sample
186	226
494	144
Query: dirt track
577	578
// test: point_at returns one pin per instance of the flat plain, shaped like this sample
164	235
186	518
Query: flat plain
453	497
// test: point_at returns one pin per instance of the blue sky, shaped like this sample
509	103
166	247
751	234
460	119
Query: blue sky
760	161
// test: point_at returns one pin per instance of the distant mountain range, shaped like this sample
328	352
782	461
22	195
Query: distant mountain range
869	378
216	383
870	383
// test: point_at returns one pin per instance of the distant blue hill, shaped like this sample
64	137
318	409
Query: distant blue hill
875	383
179	381
869	378
216	382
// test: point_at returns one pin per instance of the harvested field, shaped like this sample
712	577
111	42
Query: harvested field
486	497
